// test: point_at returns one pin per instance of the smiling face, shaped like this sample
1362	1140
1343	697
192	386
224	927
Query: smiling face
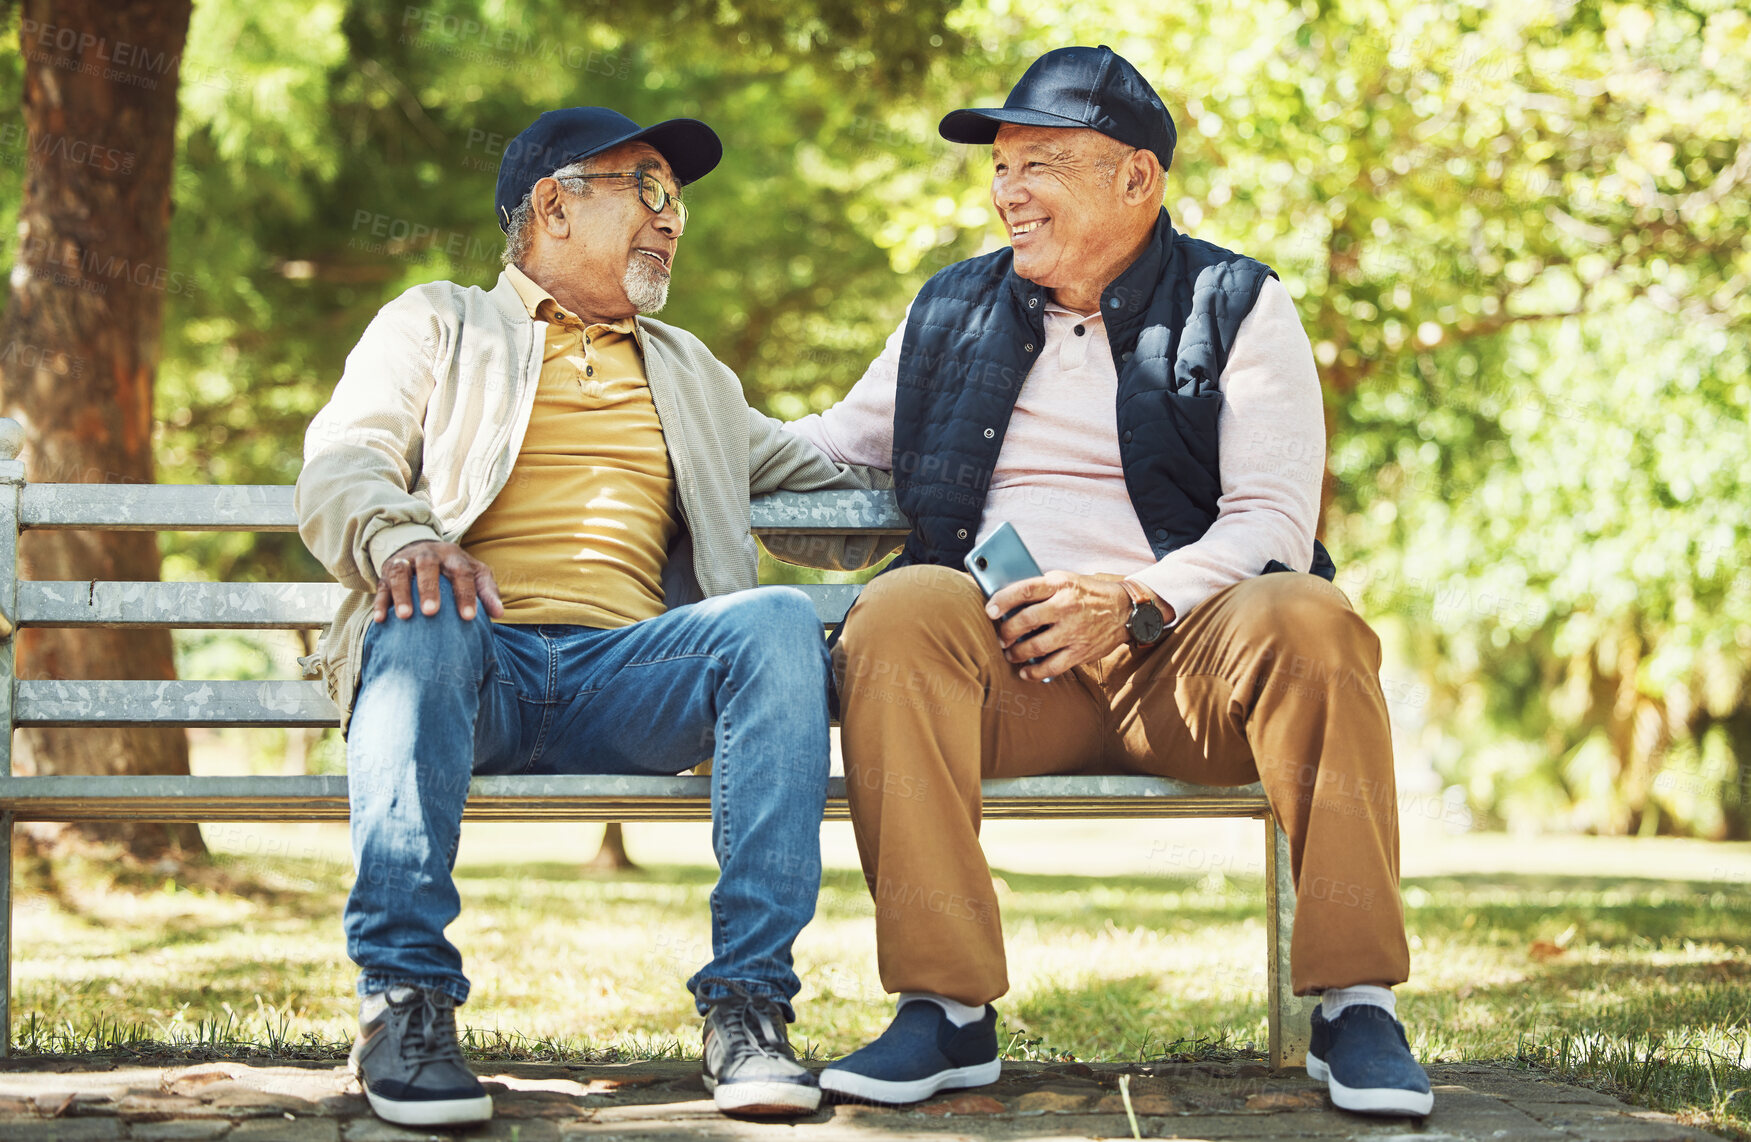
598	249
1078	206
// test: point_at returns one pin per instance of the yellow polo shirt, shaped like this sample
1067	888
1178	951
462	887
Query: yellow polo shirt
580	533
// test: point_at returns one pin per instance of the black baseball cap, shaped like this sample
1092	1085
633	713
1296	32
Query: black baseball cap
1076	87
559	138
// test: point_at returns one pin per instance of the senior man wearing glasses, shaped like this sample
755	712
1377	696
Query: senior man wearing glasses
540	452
1142	406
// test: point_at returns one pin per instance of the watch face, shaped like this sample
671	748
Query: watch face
1146	624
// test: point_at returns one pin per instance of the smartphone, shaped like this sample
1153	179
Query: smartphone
1000	560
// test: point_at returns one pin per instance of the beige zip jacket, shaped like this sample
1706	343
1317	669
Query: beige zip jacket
427	421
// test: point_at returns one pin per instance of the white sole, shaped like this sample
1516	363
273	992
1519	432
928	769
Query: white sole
854	1085
764	1098
1384	1100
448	1112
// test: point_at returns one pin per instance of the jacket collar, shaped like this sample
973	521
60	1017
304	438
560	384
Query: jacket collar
1030	297
510	303
1125	301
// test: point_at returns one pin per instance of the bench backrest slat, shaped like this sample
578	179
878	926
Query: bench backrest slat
158	507
269	702
212	606
243	606
268	507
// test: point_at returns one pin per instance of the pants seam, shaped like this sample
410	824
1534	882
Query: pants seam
547	700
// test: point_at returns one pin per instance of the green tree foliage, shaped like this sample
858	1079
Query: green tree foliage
1516	232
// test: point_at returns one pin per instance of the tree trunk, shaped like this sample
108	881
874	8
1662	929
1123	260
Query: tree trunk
1736	796
80	341
612	856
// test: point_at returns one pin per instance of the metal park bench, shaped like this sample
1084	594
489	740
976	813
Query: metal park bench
290	606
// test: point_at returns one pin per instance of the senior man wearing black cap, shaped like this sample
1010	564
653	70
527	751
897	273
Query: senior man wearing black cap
1143	408
581	473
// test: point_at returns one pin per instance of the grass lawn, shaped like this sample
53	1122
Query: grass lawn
1621	963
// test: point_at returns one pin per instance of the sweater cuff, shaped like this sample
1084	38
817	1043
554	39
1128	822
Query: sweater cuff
1172	590
392	539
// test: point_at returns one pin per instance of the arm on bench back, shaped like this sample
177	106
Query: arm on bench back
782	461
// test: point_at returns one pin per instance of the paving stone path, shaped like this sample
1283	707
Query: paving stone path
104	1100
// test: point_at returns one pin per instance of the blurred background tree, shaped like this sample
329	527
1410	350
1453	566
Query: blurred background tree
80	348
1517	234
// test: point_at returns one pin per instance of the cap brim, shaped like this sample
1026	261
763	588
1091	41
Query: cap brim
980	124
691	148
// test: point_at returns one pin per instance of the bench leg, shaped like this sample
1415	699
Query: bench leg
1290	1015
5	934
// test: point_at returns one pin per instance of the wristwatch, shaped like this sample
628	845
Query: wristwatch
1145	625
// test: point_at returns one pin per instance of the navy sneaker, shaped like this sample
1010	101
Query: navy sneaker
1365	1061
919	1054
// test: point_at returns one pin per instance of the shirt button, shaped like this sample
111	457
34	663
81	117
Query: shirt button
1029	346
589	370
1127	438
1080	331
1161	533
989	433
1113	304
1125	356
961	534
1032	302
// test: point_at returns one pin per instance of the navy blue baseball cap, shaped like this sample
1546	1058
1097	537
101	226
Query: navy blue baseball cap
1095	88
559	138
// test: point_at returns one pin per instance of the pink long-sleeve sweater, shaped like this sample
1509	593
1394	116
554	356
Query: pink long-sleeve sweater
1058	477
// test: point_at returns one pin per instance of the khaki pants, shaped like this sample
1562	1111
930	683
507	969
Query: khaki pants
1275	679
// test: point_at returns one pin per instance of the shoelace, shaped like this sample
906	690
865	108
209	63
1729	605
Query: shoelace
431	1030
753	1022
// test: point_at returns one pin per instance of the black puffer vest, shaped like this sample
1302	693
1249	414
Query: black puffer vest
976	330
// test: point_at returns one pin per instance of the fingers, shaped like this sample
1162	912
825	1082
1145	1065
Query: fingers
471	579
428	569
397	580
1036	640
1048	668
459	569
488	589
428	564
1027	621
1019	594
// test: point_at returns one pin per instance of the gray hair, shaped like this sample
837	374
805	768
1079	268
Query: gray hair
1108	157
521	234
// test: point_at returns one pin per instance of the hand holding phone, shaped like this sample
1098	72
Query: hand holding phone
1003	559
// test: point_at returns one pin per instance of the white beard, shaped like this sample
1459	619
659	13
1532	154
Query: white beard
646	284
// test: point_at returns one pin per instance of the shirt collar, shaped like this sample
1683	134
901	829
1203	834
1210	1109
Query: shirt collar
542	307
1053	309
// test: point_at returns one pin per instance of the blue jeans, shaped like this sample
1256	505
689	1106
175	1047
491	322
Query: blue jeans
739	678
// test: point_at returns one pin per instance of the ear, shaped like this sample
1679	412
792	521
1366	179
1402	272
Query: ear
1143	177
547	200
